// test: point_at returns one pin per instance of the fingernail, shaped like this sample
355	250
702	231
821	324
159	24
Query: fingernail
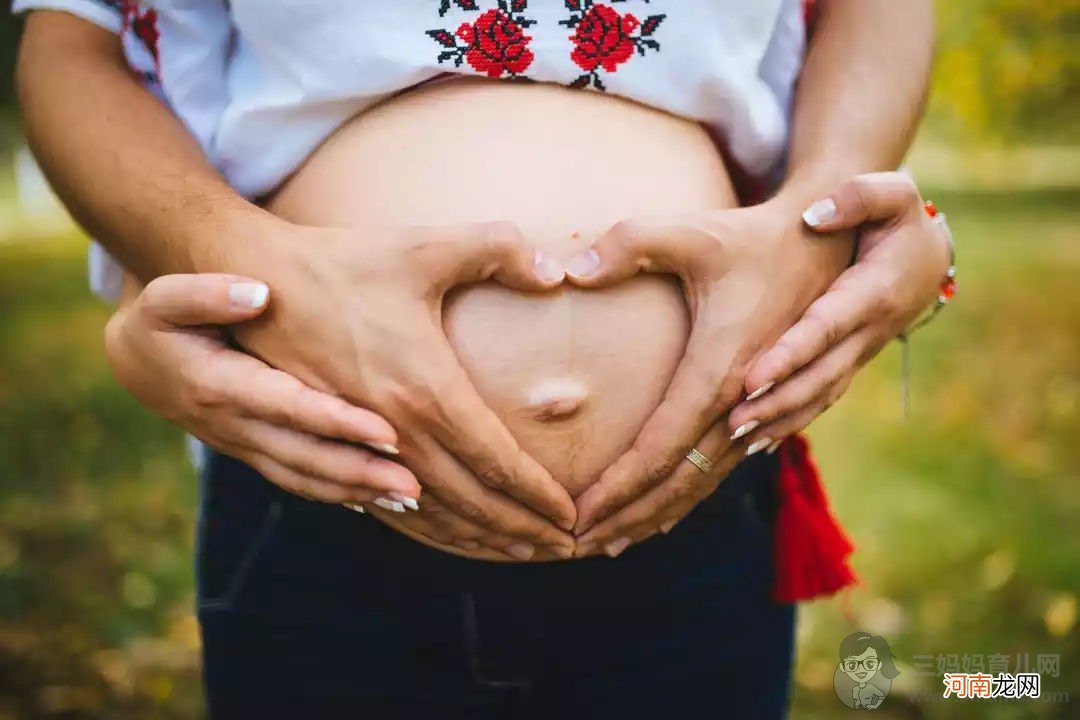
384	448
758	446
467	544
584	549
773	447
248	295
356	508
821	211
744	429
666	527
562	551
616	546
584	265
406	500
760	391
547	269
387	504
521	551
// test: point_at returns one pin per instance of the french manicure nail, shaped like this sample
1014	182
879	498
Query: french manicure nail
760	391
758	446
248	295
355	507
773	447
744	429
387	504
820	212
406	500
547	269
521	551
616	546
666	527
584	265
384	448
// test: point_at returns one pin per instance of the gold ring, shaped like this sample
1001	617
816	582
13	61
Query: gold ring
700	461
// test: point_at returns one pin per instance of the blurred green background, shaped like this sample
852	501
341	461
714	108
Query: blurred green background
966	515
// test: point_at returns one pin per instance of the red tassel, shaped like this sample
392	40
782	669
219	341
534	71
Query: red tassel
810	548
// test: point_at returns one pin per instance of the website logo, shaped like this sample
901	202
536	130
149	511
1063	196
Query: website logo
864	675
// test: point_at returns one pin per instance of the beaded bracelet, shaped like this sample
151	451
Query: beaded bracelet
946	292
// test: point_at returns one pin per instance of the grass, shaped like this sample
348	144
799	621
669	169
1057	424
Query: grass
965	515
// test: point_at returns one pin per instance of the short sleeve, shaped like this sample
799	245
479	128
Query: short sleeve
107	14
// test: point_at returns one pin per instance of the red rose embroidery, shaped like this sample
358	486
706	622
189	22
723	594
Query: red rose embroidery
143	24
145	28
495	44
604	38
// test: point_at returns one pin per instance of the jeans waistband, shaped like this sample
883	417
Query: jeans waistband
333	539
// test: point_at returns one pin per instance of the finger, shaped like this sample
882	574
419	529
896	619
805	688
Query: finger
814	389
468	428
630	247
846	306
471	537
418	522
456	487
203	299
345	465
687	486
704	386
668	517
864	198
281	399
475	252
307	486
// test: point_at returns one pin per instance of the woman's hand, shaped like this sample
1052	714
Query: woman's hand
358	314
165	350
748	274
903	257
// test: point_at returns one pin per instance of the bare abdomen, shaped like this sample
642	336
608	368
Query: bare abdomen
573	374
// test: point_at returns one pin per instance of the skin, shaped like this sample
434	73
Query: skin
850	117
166	210
553	366
572	373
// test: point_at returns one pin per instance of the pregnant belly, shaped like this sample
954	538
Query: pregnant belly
574	374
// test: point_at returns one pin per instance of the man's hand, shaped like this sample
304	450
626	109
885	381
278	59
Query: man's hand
903	257
748	274
165	348
358	314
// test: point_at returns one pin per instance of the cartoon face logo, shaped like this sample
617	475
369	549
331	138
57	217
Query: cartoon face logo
864	675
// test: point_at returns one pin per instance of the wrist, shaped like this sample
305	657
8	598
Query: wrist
811	182
234	238
820	257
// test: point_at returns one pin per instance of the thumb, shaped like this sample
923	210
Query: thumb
490	250
204	299
873	197
631	247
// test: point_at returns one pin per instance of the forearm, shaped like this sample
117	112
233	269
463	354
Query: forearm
861	92
123	164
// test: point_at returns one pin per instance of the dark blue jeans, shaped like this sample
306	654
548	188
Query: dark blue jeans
314	611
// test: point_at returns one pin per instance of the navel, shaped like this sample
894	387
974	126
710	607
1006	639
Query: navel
556	399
